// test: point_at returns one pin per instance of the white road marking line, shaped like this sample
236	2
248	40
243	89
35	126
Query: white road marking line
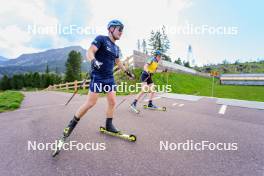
174	104
181	105
222	110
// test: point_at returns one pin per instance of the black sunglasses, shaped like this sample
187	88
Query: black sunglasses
120	28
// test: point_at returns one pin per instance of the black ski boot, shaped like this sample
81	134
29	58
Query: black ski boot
110	127
151	105
133	106
68	130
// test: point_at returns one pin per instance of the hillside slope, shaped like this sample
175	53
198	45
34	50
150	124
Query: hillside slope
196	85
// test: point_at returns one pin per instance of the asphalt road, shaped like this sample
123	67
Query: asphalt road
43	116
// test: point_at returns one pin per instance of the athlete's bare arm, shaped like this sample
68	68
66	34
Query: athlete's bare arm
146	67
120	64
91	52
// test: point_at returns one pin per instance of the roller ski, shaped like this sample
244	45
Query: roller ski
111	130
60	144
119	134
153	107
66	133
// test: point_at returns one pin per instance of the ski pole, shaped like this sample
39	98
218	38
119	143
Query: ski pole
129	95
75	92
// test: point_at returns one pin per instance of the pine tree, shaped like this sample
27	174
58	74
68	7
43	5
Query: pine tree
165	40
144	46
36	80
5	83
42	81
178	61
138	45
186	64
47	80
47	69
56	70
73	66
28	80
159	41
17	82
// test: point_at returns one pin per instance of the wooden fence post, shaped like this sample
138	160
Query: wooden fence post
75	85
84	84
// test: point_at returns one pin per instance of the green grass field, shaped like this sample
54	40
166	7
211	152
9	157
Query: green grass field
196	85
10	100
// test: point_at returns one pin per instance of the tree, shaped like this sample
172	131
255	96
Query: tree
178	61
5	83
42	81
56	70
159	41
138	45
36	80
47	69
29	80
73	66
47	80
186	64
225	62
17	82
237	62
58	79
166	44
144	46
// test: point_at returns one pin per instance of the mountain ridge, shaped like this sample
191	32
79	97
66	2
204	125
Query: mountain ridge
37	62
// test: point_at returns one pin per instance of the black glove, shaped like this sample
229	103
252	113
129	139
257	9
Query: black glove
130	75
96	64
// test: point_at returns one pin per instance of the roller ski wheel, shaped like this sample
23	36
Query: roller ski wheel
59	146
157	109
131	137
102	129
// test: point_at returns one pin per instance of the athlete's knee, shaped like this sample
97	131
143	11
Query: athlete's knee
112	102
145	89
152	88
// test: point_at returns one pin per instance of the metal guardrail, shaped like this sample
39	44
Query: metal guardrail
242	77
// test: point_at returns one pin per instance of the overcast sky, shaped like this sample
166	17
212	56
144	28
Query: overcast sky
216	30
